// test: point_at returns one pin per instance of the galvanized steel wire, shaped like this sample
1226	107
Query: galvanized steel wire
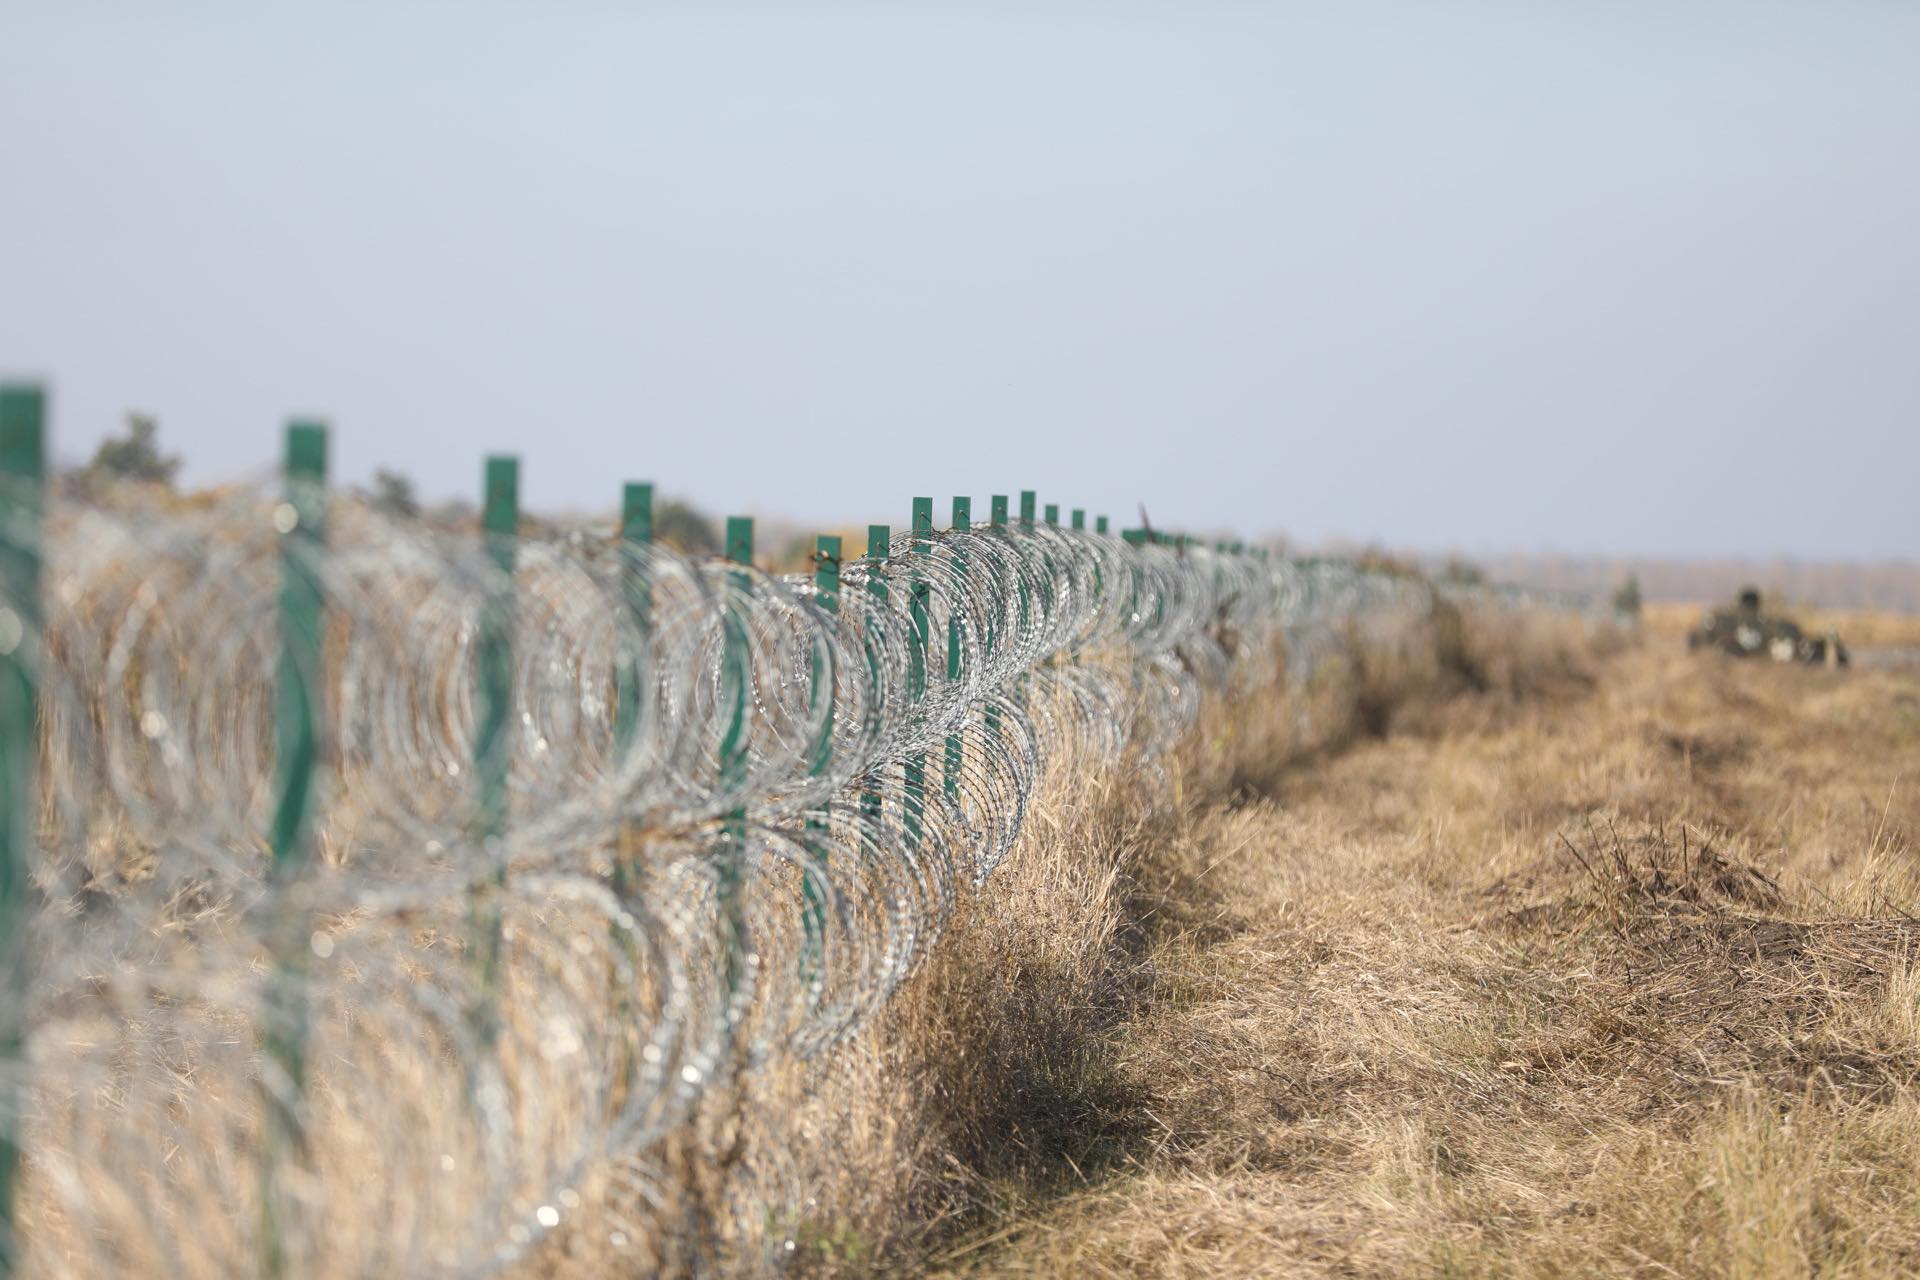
739	811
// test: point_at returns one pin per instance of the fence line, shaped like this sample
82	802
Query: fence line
356	871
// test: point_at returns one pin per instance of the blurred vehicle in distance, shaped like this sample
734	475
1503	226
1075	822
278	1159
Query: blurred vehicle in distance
1748	631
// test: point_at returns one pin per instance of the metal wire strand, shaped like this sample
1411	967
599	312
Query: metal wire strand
738	815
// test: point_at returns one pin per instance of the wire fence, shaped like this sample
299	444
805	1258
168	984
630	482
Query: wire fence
360	871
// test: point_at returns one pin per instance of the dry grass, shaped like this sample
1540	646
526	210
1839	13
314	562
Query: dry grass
990	1074
1498	951
1562	973
997	1079
1861	629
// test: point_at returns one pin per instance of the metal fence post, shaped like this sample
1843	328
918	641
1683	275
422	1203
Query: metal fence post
299	703
879	547
492	754
735	681
736	675
918	622
990	643
956	742
493	709
636	533
301	519
22	498
1027	497
632	670
826	585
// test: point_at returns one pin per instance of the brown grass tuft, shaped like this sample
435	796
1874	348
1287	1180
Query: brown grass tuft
1603	964
1494	950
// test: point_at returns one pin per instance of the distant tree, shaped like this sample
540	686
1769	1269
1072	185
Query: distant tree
134	456
393	494
1627	598
685	527
1461	570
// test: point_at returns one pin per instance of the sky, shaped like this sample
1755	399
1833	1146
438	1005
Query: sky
1614	277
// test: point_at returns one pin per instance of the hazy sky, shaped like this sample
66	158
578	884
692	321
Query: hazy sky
1625	276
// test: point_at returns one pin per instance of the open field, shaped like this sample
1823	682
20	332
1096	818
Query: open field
1891	586
1460	939
1595	962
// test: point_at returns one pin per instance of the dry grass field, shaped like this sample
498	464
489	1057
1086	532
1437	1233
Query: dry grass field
1535	955
1863	630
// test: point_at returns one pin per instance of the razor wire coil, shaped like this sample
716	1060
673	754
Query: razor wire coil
739	810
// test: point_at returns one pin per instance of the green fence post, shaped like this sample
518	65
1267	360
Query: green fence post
826	585
990	643
1137	539
299	703
1053	513
879	547
302	522
826	571
1027	497
956	742
1079	523
735	680
740	542
636	513
918	594
492	753
1100	524
493	709
962	523
22	497
630	674
636	532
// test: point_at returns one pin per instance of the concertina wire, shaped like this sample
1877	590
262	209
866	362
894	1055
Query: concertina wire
739	810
